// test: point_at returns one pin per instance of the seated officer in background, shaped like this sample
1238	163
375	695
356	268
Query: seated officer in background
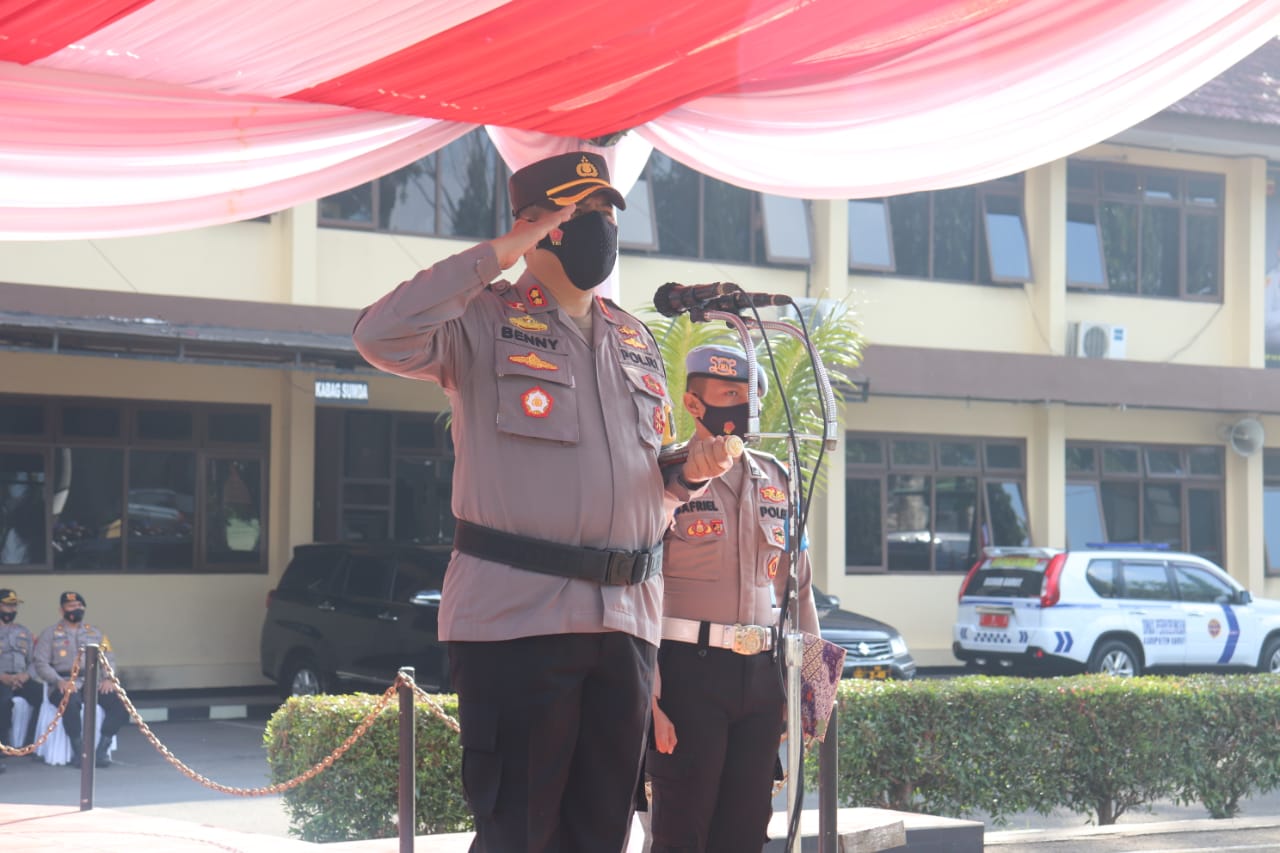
719	701
16	643
57	649
552	600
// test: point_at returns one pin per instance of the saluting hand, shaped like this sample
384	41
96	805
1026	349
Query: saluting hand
708	458
526	231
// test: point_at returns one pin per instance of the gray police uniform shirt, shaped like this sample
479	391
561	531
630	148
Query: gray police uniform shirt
556	437
16	645
58	647
725	557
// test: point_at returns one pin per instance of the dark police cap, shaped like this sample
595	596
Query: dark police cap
8	596
723	362
72	598
562	180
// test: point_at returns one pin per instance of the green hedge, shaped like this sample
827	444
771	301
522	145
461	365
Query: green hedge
357	797
1091	744
1094	745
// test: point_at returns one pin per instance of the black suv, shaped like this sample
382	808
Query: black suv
353	614
872	648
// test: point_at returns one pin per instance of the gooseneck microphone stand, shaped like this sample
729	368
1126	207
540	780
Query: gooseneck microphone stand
792	639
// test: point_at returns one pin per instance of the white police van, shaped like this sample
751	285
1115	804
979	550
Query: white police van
1118	608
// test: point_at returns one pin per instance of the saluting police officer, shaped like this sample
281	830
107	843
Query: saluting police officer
719	700
552	601
57	649
16	645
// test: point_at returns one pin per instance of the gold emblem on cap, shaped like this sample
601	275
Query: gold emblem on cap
587	169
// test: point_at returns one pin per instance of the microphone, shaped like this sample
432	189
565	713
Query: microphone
672	298
740	300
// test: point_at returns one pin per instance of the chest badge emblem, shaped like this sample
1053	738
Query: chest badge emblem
635	343
772	566
533	360
527	323
536	402
779	535
773	494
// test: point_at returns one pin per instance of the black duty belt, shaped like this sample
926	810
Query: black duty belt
612	568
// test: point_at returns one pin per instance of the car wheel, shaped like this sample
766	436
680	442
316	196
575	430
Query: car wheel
303	678
1269	661
1115	657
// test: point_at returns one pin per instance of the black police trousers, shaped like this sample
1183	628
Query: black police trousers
553	737
714	793
114	716
31	691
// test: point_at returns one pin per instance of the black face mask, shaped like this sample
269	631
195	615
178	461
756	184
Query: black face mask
8	617
725	420
74	616
588	249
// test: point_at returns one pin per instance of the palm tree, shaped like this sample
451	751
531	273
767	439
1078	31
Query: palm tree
834	331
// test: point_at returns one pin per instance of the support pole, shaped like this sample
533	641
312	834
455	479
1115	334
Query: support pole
794	650
408	759
88	726
828	773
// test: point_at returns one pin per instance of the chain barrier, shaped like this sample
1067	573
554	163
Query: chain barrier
437	710
53	724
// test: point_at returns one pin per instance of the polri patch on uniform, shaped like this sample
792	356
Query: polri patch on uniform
537	403
655	385
659	420
533	360
779	535
535	296
773	494
527	323
717	527
772	566
701	528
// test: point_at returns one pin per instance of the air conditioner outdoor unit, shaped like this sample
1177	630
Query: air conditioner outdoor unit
1099	340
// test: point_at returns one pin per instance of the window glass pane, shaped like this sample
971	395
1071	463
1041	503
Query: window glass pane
675	201
956	524
1004	456
236	427
1120	181
365	525
375	494
957	454
1084	515
1205	189
233	511
1271	526
726	221
468	173
21	418
419	434
88	487
1204	256
162	487
1271	463
869	245
1008	514
1084	247
863	542
1007	239
369	577
1197	584
1119	223
1147	581
1205	460
786	229
912	452
1120	512
1081	176
1162	514
909	217
368	445
1204	520
407	198
1119	460
863	451
423	492
1161	186
1081	460
90	421
1164	463
353	205
165	424
908	522
22	510
1160	251
954	234
636	228
1102	575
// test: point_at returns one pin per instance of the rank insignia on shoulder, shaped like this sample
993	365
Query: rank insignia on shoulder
527	323
537	403
533	360
772	566
635	342
535	296
773	494
604	308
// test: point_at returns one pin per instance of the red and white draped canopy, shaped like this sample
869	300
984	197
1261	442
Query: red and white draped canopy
135	116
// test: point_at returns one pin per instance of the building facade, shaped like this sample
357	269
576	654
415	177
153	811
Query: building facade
1074	354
